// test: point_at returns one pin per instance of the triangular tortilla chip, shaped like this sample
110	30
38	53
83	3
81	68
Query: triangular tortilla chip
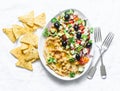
16	52
31	29
31	39
22	63
31	53
28	18
40	20
35	27
28	28
24	46
10	34
33	60
18	31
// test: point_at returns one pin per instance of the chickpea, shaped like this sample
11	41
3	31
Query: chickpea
64	68
63	54
63	64
57	56
76	63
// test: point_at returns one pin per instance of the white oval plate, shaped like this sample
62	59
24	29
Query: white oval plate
41	51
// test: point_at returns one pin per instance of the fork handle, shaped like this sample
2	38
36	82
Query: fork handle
93	68
91	72
102	68
103	72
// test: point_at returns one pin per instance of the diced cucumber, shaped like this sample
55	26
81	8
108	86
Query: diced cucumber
84	37
79	21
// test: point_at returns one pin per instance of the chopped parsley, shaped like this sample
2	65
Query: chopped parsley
72	60
53	20
51	60
72	74
46	32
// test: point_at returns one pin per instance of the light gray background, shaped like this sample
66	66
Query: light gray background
103	13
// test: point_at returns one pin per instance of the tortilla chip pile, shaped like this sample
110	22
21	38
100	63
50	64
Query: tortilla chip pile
27	53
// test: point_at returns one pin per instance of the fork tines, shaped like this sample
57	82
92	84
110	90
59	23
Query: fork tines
97	34
108	39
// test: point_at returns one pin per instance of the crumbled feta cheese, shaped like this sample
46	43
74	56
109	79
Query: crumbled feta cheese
71	17
81	69
71	45
82	42
60	27
85	51
72	52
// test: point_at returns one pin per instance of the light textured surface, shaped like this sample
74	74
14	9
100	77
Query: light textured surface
103	13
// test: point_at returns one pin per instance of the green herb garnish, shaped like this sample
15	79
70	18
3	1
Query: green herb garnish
46	32
71	40
66	33
72	60
69	26
72	74
71	11
51	60
90	41
79	21
53	20
79	48
91	30
84	37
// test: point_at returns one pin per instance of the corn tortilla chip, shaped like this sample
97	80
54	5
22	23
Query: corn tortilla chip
22	63
18	31
33	60
16	52
28	18
10	34
35	27
28	28
40	20
31	53
24	46
31	39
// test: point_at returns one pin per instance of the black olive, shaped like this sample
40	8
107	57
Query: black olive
67	17
56	25
77	56
76	27
64	43
78	35
88	45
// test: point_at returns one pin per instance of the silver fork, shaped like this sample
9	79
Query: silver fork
104	47
98	41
